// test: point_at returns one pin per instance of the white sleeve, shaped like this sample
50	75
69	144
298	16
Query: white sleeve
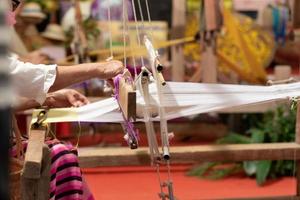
32	81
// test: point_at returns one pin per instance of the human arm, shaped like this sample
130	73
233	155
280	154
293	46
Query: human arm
35	81
59	99
69	75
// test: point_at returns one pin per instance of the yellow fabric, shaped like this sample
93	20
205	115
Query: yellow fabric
242	47
57	115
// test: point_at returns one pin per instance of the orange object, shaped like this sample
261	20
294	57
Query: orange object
140	182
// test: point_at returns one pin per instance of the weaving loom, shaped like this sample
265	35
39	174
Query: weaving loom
158	101
180	99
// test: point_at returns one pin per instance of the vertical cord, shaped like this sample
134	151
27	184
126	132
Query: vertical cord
169	170
141	14
137	30
149	20
124	34
110	30
130	42
151	35
159	179
161	110
78	134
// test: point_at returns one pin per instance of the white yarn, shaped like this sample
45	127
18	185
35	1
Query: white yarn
184	99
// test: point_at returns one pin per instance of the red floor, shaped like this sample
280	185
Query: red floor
141	183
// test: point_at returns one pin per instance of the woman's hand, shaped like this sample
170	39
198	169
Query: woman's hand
110	69
65	98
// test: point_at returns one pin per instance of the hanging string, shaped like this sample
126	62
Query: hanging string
169	170
165	142
151	36
130	42
137	30
49	130
124	34
78	134
141	14
110	31
149	20
159	179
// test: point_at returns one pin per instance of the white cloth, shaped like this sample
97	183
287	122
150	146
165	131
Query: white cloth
31	81
181	99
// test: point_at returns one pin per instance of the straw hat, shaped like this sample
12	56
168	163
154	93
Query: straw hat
32	10
54	32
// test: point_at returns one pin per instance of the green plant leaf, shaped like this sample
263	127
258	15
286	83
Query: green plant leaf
262	171
200	170
234	138
216	174
257	135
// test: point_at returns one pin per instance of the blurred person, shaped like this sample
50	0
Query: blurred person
34	81
39	84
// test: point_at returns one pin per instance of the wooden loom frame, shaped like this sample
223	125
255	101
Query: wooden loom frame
37	134
92	157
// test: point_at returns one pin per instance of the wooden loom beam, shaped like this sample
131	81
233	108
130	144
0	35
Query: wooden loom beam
91	157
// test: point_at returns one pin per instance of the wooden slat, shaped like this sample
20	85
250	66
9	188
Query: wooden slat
34	154
127	99
91	157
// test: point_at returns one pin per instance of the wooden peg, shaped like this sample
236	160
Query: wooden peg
127	99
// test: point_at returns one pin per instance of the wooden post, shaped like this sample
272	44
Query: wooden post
34	154
210	15
296	14
209	66
178	27
208	58
282	72
297	139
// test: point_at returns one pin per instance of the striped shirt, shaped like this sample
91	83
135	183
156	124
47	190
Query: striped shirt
66	182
